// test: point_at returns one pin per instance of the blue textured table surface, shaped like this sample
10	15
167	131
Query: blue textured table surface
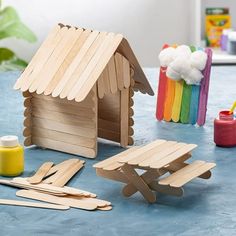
208	207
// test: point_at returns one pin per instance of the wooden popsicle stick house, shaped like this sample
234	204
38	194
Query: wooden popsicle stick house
78	87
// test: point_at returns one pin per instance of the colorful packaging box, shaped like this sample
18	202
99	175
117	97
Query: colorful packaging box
217	19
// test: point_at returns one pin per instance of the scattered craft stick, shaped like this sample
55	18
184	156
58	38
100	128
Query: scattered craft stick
33	204
60	172
75	203
23	183
68	174
40	174
55	191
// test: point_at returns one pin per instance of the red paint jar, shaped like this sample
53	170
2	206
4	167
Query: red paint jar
225	130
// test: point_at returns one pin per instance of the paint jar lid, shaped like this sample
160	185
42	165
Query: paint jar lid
9	141
226	115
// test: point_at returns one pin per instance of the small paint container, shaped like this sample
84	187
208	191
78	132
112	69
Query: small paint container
224	39
225	129
11	156
231	46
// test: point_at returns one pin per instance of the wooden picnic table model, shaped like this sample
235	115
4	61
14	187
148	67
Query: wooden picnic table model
163	168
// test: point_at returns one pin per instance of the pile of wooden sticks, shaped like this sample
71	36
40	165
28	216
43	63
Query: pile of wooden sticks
48	185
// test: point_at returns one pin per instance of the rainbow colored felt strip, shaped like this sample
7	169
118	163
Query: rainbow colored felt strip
179	102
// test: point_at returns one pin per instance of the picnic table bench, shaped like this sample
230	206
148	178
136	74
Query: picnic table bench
156	167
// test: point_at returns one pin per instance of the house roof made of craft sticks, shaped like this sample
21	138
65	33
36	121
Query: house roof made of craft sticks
70	61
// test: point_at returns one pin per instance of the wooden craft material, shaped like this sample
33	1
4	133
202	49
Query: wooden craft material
204	90
156	159
68	84
180	102
175	116
75	203
54	191
23	183
32	204
170	96
40	173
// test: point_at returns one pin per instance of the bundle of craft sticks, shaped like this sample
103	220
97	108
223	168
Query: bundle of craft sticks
48	185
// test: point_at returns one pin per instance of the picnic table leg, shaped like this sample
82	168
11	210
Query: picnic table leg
139	183
147	177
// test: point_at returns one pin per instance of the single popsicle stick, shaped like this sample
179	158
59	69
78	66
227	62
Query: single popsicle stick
40	173
119	70
98	202
112	75
33	204
194	104
194	99
175	116
37	57
46	61
100	87
170	96
98	63
124	119
78	192
106	81
185	106
126	73
161	94
56	200
204	90
70	172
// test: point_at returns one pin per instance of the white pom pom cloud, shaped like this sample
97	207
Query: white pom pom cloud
181	63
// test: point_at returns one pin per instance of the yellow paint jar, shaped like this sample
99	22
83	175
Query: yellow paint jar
11	156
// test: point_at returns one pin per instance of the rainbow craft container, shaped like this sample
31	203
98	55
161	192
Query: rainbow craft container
180	102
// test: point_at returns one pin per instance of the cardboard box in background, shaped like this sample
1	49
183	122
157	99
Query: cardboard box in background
216	20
